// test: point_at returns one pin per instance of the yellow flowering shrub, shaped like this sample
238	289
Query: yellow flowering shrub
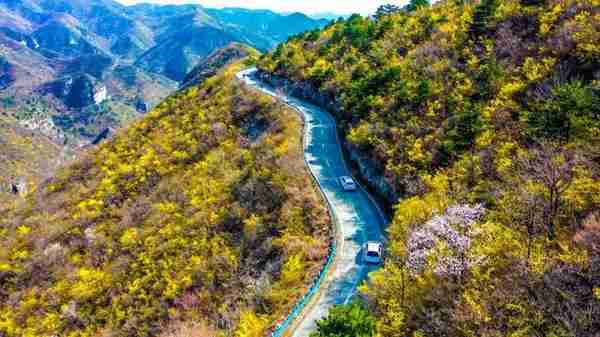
166	222
470	103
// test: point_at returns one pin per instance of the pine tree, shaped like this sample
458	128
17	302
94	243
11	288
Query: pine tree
386	10
416	4
481	17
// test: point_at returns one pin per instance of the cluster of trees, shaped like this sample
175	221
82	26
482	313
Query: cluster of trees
199	219
468	103
352	320
390	9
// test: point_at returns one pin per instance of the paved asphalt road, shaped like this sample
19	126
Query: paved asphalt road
358	218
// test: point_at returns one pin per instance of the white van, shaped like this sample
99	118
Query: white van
373	252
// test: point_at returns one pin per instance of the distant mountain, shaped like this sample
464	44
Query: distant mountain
269	31
177	54
73	69
74	37
328	16
186	34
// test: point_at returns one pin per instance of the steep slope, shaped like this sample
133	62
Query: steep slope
479	121
7	73
216	61
200	217
63	38
176	56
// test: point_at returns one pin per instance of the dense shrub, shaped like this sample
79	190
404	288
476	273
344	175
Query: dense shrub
350	320
469	105
569	111
199	218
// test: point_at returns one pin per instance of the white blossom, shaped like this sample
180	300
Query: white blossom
90	234
455	230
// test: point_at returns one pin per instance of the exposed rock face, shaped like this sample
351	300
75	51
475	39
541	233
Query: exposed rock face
100	95
7	74
14	187
20	187
368	170
141	106
211	65
303	90
101	137
371	173
76	92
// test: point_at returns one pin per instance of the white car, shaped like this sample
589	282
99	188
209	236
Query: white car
373	252
348	183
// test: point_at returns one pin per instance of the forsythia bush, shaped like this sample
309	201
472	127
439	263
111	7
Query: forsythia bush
487	108
187	216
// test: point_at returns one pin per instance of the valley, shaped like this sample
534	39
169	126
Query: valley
75	72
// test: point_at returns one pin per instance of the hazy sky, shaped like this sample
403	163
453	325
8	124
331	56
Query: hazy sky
305	6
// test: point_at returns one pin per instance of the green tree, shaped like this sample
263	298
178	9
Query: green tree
352	320
358	30
386	10
572	110
481	17
416	4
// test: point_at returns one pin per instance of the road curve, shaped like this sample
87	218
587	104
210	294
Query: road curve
358	218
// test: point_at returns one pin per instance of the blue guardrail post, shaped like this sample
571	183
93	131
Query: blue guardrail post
299	307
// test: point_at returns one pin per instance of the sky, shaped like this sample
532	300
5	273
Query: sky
304	6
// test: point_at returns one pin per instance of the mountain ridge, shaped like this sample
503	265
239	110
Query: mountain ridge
122	60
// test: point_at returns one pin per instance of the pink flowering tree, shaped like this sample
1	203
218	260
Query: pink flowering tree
443	242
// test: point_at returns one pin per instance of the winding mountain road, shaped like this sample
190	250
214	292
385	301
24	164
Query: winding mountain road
357	216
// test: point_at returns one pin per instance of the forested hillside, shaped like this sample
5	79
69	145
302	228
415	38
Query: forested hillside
198	220
483	118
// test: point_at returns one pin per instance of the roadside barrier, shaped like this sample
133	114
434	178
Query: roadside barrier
282	327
